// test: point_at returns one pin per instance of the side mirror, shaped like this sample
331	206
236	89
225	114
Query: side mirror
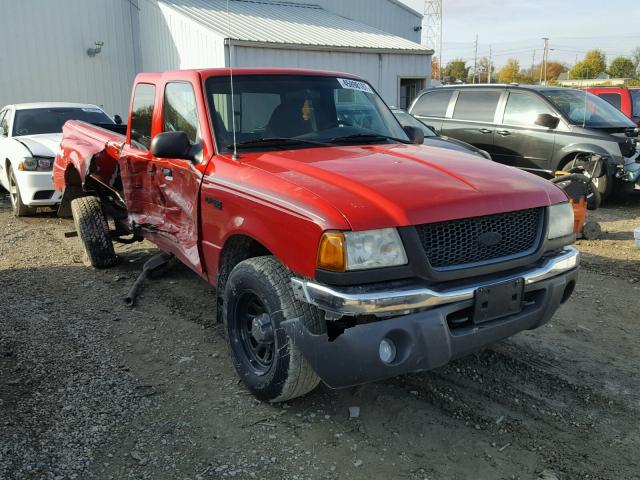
547	120
117	119
415	134
172	145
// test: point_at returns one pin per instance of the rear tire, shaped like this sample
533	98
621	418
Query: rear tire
258	297
19	208
93	231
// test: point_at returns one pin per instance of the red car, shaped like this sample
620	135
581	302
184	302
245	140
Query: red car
625	99
341	248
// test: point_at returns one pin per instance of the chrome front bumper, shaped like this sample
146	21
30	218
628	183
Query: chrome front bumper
390	301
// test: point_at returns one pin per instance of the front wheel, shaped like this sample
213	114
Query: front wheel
258	297
19	208
603	184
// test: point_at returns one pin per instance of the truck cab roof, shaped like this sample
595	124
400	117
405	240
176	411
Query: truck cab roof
222	72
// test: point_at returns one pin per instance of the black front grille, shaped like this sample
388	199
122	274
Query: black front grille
43	195
460	243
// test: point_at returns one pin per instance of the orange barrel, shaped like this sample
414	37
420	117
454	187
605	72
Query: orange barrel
579	214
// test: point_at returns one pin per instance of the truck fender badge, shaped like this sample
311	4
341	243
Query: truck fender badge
489	239
212	201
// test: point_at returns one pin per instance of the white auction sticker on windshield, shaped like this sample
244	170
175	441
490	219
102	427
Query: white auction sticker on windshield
92	110
355	85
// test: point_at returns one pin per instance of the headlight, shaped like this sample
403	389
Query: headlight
45	163
560	220
361	250
36	163
30	164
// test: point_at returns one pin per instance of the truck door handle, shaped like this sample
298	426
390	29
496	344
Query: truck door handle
485	130
503	133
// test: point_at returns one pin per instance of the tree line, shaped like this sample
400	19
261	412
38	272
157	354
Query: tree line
592	65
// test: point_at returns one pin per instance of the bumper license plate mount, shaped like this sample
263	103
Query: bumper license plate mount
498	300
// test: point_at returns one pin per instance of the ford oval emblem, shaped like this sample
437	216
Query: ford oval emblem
489	239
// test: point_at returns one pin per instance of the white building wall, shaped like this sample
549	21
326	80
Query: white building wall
383	71
387	15
170	41
43	55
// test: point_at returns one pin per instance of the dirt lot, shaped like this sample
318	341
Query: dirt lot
92	389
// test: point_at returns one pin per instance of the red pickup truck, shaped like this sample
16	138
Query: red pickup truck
341	248
625	99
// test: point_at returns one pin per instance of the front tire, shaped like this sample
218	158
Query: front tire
603	183
93	231
258	297
19	208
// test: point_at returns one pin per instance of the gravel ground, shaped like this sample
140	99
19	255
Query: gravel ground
91	389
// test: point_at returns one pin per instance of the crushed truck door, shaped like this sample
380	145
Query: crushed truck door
178	180
137	170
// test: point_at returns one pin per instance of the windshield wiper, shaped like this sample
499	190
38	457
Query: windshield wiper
275	142
366	137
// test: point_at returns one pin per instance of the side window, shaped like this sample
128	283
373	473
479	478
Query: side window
477	105
4	123
142	115
180	110
433	104
523	109
614	99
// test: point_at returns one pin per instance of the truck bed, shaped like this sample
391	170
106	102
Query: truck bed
92	150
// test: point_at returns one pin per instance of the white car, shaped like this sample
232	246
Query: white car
30	135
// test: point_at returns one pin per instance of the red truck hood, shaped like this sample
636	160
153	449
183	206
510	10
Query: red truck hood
397	185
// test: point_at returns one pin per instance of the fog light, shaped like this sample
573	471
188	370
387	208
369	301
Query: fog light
387	351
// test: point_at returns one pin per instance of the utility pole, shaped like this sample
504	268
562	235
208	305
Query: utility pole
545	57
533	64
490	65
475	60
432	34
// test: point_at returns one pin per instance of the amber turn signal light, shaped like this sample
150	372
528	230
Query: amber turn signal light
331	252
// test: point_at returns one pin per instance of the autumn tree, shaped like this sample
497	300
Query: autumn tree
510	73
435	68
456	70
554	69
593	64
622	67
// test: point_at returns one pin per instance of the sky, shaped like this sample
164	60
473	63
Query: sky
514	28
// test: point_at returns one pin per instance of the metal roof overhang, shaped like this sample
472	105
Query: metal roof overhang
324	48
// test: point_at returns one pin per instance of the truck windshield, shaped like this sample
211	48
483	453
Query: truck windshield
635	102
38	121
288	111
580	107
